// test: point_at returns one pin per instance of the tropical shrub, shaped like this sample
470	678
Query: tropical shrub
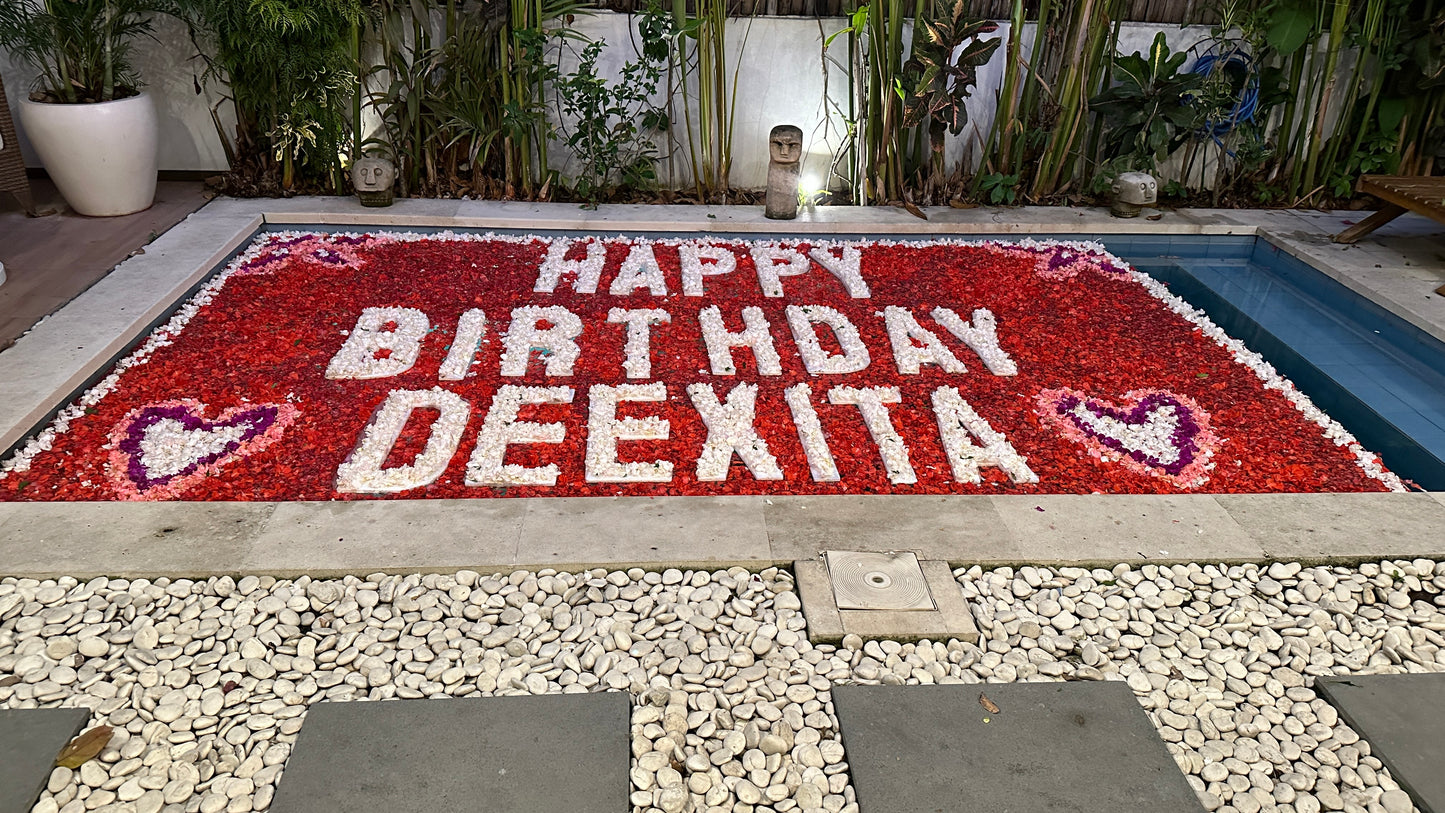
941	76
1147	114
609	125
79	48
290	68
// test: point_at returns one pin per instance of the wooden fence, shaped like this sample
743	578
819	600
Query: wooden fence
1144	11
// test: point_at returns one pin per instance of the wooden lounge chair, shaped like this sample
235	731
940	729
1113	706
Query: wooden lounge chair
1401	194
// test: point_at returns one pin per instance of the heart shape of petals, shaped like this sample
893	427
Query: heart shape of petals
1155	432
159	450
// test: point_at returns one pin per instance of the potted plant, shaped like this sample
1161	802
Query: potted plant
94	129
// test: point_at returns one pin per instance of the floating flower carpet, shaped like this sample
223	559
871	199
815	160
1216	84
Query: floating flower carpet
345	366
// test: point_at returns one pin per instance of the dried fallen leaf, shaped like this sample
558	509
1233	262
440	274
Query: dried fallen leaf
1159	216
988	705
914	210
959	204
84	748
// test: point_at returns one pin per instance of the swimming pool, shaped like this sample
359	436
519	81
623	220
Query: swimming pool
1380	376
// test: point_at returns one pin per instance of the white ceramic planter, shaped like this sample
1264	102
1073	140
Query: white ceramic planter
101	156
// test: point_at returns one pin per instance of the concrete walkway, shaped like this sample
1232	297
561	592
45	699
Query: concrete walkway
336	538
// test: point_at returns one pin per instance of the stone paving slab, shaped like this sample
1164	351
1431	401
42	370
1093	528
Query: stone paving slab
30	739
933	527
186	539
1076	746
824	219
1403	717
1122	528
1311	526
95	538
538	754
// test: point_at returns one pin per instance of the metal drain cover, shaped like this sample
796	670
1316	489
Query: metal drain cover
877	581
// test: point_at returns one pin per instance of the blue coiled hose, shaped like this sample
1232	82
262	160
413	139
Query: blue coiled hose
1247	104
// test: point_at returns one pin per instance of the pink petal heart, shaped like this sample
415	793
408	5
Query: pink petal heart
159	450
1155	432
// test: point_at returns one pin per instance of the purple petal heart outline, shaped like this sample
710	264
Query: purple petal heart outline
1192	438
264	424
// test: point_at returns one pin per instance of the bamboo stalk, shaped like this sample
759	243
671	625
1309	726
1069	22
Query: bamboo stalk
1000	142
1377	85
417	157
1087	34
1313	83
358	92
1106	80
107	91
1033	81
720	114
1374	13
892	117
1332	58
504	56
543	168
679	18
1287	119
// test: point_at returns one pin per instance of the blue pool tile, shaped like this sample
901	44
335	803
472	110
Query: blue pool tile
1220	249
1142	247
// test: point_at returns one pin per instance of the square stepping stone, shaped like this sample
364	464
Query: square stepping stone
1077	746
503	754
1403	717
30	739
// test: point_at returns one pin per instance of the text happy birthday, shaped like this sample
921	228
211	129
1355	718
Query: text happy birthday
388	341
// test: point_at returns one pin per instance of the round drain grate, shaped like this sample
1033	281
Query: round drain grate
878	581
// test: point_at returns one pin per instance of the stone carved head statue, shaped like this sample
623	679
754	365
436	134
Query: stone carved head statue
1133	191
373	179
785	144
1138	188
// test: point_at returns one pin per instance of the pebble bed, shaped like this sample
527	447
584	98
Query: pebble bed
206	682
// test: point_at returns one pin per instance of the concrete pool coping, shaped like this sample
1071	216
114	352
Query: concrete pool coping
59	356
